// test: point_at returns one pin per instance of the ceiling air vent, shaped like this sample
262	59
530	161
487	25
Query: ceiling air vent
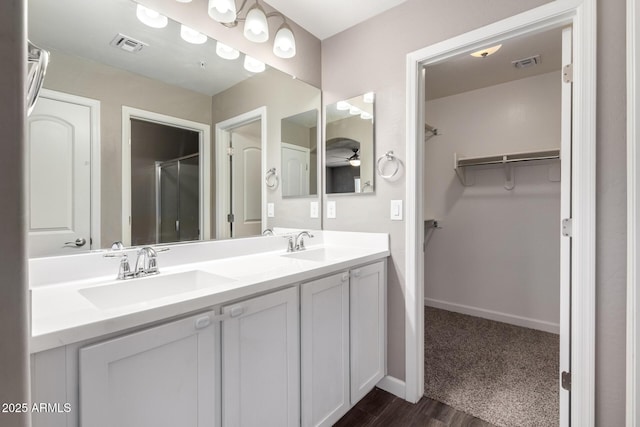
127	43
527	62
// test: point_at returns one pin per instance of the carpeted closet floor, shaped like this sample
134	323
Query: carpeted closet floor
500	373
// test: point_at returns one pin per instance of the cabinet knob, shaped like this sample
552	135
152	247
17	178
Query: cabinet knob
356	272
345	276
203	322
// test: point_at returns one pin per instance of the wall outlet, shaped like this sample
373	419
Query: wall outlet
331	209
313	210
396	210
271	208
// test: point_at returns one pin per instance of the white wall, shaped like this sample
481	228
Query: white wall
498	253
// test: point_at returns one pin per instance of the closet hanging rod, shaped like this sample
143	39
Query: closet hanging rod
508	158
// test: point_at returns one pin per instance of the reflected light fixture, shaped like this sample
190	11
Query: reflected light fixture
256	25
253	65
226	52
150	17
192	36
368	97
343	106
354	110
366	116
355	159
483	53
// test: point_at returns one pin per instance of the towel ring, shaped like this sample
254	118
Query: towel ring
271	178
388	157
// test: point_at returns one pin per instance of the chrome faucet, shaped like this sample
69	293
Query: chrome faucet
299	244
147	262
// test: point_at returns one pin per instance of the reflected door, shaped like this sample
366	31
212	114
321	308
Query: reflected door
246	188
59	178
295	170
178	200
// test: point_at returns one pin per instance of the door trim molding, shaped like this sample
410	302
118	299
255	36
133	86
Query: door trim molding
582	15
204	132
222	134
633	211
94	108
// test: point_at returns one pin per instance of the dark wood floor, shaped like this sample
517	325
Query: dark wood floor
379	408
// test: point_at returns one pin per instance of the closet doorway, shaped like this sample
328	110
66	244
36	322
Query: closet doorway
492	262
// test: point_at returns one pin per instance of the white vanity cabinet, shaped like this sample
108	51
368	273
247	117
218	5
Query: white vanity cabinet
342	341
162	376
368	328
261	361
325	349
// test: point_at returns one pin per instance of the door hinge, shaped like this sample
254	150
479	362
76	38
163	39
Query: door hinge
567	73
229	151
567	227
230	218
566	380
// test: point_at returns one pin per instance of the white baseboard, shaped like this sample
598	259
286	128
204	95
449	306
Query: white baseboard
526	322
392	385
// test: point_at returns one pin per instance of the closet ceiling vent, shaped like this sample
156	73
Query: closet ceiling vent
530	61
128	44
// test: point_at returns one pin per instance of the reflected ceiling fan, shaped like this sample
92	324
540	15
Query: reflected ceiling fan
354	160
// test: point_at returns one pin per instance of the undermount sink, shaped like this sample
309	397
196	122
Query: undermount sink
319	255
134	291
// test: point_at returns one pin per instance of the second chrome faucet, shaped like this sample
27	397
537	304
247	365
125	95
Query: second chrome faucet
297	243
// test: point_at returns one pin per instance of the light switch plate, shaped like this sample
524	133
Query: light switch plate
313	209
331	209
396	210
271	210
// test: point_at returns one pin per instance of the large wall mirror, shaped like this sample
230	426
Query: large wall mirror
349	145
157	135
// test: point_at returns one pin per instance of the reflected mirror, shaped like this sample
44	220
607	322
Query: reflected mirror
349	145
144	137
299	148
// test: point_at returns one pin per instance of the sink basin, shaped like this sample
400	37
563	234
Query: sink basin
134	291
319	255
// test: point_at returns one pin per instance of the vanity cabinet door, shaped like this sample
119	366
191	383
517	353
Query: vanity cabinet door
368	320
261	361
163	376
325	350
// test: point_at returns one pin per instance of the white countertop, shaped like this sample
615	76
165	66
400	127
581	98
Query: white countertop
61	315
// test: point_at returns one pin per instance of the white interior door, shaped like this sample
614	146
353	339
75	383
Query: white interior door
295	170
246	187
59	178
565	242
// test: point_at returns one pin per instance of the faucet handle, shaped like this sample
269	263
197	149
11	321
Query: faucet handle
124	272
290	244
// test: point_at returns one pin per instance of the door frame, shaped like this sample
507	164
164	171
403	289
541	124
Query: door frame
223	136
581	14
633	213
94	108
204	132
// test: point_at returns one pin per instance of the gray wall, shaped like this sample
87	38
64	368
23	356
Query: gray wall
372	57
114	88
14	355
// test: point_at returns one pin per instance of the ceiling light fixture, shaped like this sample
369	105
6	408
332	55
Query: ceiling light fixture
355	159
486	52
192	36
226	52
150	17
256	25
253	65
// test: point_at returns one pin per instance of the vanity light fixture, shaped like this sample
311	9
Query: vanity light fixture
253	65
226	52
192	36
256	25
354	110
369	97
486	52
366	116
150	17
343	106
